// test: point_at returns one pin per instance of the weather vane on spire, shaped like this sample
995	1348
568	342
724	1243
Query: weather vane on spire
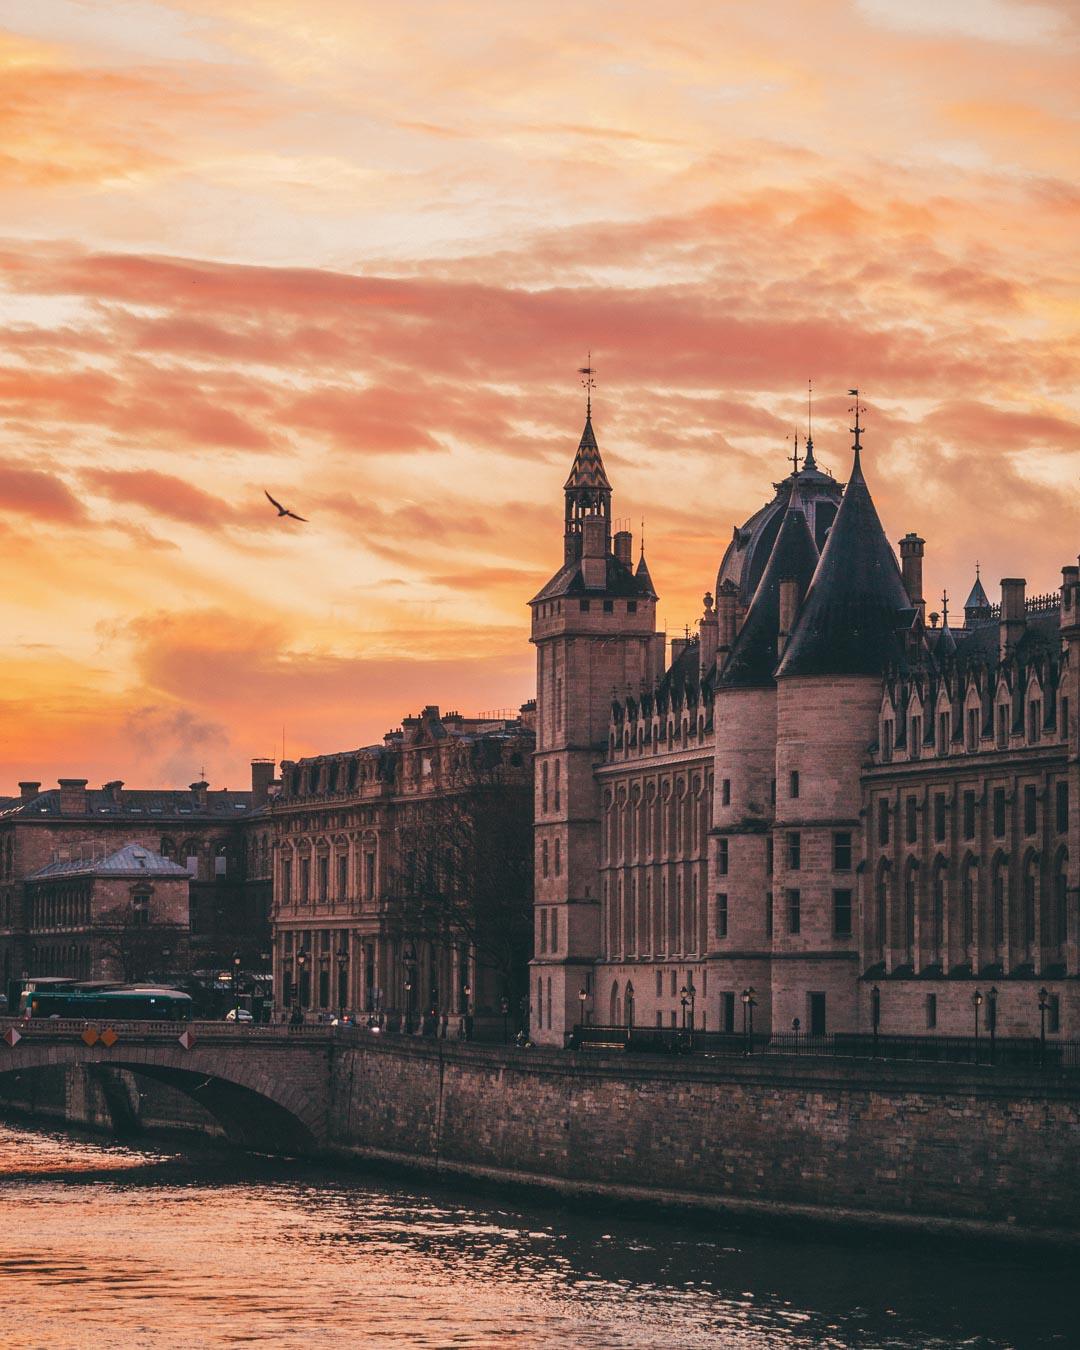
795	454
857	428
588	382
808	454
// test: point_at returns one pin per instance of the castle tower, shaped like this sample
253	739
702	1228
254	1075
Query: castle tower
594	628
740	866
854	624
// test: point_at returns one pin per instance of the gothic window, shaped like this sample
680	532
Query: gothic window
722	857
969	814
972	730
1061	807
1030	809
882	821
1061	901
1034	720
915	738
939	817
1002	725
544	787
725	792
842	913
558	857
943	733
911	902
998	806
939	898
794	850
881	911
793	783
1031	885
998	907
794	909
558	786
721	916
911	818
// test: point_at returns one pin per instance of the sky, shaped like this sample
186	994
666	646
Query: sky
354	253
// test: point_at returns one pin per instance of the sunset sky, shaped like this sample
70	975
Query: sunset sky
354	253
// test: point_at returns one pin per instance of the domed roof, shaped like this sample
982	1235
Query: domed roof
817	493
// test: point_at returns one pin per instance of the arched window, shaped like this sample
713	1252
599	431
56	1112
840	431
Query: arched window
999	906
911	901
1060	919
939	896
629	1004
969	887
1031	897
614	1018
881	911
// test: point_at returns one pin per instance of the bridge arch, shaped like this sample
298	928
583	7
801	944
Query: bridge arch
267	1095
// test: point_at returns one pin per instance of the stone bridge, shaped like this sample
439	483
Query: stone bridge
268	1087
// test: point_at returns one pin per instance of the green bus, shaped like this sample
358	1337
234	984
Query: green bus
124	1004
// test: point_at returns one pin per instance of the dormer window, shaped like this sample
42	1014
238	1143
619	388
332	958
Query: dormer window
886	740
1034	720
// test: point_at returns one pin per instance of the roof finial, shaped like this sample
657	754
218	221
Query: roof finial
856	430
944	609
795	454
643	536
976	569
808	457
588	383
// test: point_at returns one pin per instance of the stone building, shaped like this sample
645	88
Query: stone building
121	917
822	810
220	839
403	871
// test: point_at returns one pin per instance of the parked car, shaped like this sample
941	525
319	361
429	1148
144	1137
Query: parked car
238	1015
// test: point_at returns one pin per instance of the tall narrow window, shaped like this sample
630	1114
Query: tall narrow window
1061	807
841	850
543	930
558	857
931	1011
544	787
721	916
1034	720
882	821
1002	725
841	913
725	792
794	850
793	783
794	908
969	814
558	785
998	802
911	815
722	857
973	730
939	817
915	738
886	741
1030	809
768	913
943	734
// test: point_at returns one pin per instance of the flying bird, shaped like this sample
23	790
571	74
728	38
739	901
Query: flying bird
283	511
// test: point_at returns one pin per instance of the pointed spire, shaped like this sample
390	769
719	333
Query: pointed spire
857	605
642	575
978	599
809	463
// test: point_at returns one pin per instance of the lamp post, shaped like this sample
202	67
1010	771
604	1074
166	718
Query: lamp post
408	1006
976	1003
748	1001
301	962
991	1020
343	966
875	1015
689	1002
795	1032
468	1027
266	960
236	985
408	956
583	998
1044	1004
504	1008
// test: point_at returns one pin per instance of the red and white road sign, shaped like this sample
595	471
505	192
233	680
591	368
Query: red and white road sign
12	1037
186	1039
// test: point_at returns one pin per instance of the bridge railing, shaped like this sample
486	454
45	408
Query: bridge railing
72	1028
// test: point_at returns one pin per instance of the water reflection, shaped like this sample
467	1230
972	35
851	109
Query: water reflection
130	1246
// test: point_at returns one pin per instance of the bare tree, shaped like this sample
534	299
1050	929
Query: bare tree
463	873
138	950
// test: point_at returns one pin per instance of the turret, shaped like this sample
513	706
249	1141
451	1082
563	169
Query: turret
977	605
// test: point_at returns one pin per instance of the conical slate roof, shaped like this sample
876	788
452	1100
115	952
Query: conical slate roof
642	577
857	606
587	470
978	598
753	657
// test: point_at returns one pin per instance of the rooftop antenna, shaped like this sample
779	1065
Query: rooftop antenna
976	569
588	383
808	457
643	536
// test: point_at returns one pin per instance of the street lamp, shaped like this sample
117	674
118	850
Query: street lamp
688	997
991	1020
408	1006
236	985
748	1002
343	967
265	1005
301	962
504	1008
467	993
1044	1005
976	1003
875	1015
583	998
795	1024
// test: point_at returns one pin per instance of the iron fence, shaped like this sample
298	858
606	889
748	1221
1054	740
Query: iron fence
1000	1051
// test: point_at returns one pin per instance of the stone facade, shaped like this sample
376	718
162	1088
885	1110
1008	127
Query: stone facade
709	838
364	916
220	838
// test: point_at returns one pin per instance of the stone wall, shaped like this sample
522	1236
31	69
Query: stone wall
933	1145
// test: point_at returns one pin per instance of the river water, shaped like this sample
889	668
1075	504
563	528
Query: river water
118	1245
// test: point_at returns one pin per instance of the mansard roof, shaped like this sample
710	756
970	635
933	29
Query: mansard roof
133	860
753	657
587	470
857	607
220	804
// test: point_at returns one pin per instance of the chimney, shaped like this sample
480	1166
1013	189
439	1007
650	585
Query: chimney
624	543
199	791
789	610
1070	598
112	790
594	553
262	775
726	599
1013	620
28	791
707	630
912	549
72	796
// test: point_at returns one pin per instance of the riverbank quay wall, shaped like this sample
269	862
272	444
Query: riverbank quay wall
891	1143
923	1147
